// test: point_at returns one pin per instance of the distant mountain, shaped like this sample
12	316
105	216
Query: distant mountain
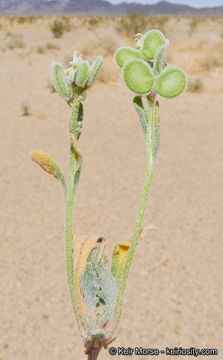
101	7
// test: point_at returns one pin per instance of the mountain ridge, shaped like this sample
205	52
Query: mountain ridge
101	7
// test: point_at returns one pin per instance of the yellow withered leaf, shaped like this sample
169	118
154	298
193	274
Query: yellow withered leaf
82	249
46	163
119	256
120	252
76	151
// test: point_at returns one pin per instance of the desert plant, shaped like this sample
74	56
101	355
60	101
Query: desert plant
57	27
25	109
195	85
52	46
97	290
41	49
15	41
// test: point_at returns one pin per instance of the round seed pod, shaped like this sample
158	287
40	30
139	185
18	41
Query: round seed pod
125	54
171	82
138	76
151	41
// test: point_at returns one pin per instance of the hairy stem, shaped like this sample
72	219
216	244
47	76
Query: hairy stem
69	212
142	207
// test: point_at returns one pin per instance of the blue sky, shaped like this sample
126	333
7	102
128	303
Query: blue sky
195	3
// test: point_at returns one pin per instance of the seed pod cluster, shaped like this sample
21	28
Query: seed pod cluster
144	69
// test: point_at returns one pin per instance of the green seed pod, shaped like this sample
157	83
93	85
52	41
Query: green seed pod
125	54
94	70
171	82
138	77
152	40
60	81
82	73
160	59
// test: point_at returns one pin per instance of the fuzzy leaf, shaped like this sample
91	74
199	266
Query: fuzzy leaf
90	286
94	70
101	295
108	292
160	59
82	249
125	54
138	76
119	256
151	41
60	81
82	74
171	82
142	113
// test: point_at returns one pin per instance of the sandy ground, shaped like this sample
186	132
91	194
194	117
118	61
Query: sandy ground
174	296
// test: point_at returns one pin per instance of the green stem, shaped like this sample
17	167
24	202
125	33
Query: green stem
69	211
142	207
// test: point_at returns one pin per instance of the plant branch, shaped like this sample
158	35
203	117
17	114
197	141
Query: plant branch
69	212
142	207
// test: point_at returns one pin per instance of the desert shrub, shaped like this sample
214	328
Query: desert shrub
135	23
66	22
195	85
41	49
52	46
60	25
25	108
8	34
93	21
132	24
194	22
57	27
21	19
16	41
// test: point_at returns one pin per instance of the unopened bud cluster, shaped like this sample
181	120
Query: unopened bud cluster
77	79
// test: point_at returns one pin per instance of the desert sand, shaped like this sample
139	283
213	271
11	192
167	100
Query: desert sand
174	295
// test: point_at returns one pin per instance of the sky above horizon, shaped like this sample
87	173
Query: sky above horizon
194	3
